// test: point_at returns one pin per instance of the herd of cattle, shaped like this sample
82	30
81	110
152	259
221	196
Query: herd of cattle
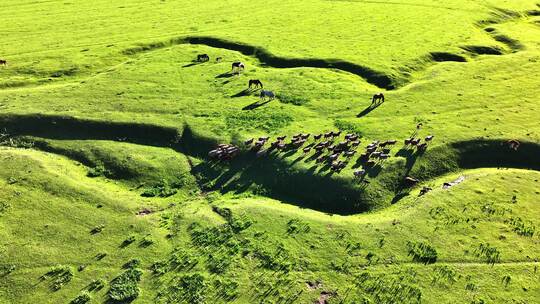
325	149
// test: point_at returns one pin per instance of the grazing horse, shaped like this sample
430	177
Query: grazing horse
268	94
238	66
3	62
256	83
377	97
203	57
218	59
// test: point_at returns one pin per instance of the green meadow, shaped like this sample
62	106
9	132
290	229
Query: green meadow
108	193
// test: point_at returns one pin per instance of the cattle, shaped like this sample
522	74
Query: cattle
256	83
249	142
267	94
513	144
424	190
359	173
410	181
224	152
379	97
349	154
421	147
203	58
238	66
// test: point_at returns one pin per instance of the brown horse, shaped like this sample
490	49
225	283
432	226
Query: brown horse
377	98
255	83
3	62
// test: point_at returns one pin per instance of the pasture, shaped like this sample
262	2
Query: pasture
113	188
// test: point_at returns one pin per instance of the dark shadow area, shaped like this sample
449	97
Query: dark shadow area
226	75
194	63
281	181
371	76
245	92
273	175
483	50
444	56
255	105
370	108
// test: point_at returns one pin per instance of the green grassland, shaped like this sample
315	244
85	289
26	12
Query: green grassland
107	194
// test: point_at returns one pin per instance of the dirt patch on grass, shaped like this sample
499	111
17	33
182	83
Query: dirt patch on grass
453	183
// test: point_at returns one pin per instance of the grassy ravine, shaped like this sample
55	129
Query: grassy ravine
107	194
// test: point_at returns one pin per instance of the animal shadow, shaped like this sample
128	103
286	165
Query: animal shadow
245	92
226	75
370	108
255	105
194	63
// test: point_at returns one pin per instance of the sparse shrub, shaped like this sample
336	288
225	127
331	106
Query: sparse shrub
182	259
61	275
125	286
210	236
188	288
381	242
353	248
506	280
369	256
96	285
348	126
478	301
422	252
339	266
97	229
279	259
295	226
218	263
445	273
82	298
470	286
3	207
128	241
489	253
7	269
522	228
236	223
133	263
159	267
98	170
389	288
163	189
226	289
146	241
291	99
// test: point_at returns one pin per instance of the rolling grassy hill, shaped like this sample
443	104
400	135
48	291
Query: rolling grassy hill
107	193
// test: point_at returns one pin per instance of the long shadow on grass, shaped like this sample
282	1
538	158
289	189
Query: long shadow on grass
368	110
274	176
255	105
